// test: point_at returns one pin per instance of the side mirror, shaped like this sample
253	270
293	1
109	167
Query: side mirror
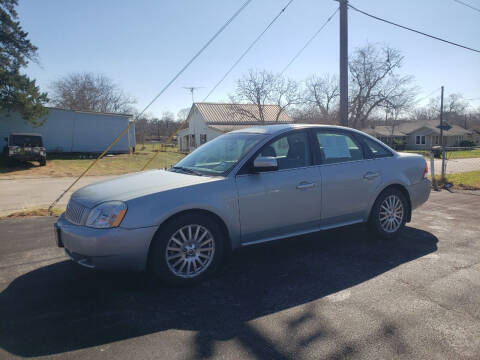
265	163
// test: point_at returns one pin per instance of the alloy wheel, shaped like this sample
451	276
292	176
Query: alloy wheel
391	214
190	250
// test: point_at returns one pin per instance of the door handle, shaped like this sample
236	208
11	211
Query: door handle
370	175
305	185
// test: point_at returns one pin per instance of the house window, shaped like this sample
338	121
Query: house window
192	141
436	139
420	140
203	138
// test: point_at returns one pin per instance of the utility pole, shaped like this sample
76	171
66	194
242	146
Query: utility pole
343	62
441	134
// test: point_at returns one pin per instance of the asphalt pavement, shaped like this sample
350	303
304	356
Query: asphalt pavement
330	295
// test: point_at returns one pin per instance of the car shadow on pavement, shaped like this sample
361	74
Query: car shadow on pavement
63	307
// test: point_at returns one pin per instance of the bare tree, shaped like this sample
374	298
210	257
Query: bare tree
183	114
322	92
89	92
261	87
454	109
397	105
374	81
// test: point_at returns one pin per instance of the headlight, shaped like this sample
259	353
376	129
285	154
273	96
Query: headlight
107	215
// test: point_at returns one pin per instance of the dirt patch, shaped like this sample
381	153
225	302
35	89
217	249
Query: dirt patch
34	212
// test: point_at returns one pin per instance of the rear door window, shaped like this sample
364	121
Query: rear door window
336	147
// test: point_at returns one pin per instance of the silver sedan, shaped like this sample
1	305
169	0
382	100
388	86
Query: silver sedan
245	187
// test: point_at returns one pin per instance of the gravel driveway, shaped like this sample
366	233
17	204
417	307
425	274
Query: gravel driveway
19	193
457	165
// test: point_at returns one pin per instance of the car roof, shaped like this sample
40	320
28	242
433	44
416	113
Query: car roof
25	134
279	128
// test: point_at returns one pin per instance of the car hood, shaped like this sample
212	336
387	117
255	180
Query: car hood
131	186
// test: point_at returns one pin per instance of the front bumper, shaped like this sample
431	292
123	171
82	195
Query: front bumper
419	192
26	157
109	249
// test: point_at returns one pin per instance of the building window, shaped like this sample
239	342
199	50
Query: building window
203	138
192	141
436	139
420	140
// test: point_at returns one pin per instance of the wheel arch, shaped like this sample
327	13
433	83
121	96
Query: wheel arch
218	219
405	193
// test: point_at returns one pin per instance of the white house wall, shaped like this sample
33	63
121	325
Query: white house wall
196	126
72	131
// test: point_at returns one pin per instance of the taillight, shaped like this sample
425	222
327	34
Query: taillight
425	171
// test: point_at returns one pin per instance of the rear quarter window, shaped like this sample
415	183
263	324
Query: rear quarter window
374	149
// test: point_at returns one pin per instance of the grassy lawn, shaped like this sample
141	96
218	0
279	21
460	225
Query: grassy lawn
467	180
461	154
65	164
464	154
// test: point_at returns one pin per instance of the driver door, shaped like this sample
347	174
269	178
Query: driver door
282	202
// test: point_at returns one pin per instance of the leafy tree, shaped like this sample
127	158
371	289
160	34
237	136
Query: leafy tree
17	91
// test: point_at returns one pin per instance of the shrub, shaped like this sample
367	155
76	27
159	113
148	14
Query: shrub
467	143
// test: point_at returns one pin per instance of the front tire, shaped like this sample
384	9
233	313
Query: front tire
43	161
187	249
389	214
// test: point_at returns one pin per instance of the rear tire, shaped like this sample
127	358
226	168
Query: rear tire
187	249
389	214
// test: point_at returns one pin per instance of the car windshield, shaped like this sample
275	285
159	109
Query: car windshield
218	156
25	140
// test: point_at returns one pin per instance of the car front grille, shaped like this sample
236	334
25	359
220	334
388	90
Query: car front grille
75	212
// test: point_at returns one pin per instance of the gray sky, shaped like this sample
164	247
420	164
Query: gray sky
142	44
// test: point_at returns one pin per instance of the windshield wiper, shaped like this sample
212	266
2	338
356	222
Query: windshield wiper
187	170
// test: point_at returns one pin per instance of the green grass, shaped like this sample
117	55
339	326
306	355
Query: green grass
421	152
67	164
460	154
463	154
467	180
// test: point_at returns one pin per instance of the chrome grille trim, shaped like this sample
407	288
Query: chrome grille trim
75	212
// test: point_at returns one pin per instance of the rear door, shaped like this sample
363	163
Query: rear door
349	179
286	201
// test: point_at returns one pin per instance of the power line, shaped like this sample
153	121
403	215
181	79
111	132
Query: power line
244	5
309	41
410	29
426	96
467	5
248	49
